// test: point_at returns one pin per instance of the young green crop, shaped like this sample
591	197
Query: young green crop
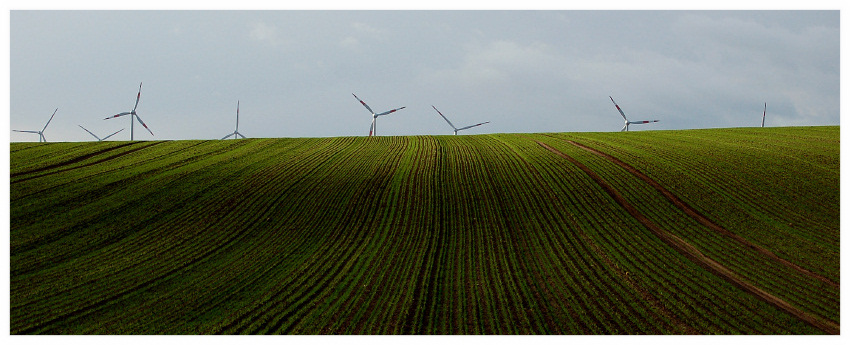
490	234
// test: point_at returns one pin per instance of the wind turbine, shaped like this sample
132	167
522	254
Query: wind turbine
626	126
133	114
372	129
453	126
40	133
763	114
235	133
98	138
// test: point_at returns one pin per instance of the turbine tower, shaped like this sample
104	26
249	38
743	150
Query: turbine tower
40	133
627	122
372	129
453	126
98	138
133	114
763	114
235	133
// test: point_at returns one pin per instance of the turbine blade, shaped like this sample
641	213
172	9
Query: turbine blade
240	134
228	136
92	134
444	118
138	95
364	104
618	109
389	111
143	123
372	127
467	127
237	116
51	119
118	115
107	137
625	127
16	130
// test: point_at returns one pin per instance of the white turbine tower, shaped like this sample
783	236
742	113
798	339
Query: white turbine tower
372	129
133	114
235	133
626	126
40	133
98	138
453	126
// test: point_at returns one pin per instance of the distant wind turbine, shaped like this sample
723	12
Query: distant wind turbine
372	129
626	126
453	126
133	114
763	114
98	138
40	133
235	133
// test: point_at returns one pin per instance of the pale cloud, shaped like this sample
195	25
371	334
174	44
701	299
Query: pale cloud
262	32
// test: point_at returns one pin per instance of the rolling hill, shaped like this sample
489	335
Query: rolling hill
716	231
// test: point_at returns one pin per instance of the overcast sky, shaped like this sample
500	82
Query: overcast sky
294	72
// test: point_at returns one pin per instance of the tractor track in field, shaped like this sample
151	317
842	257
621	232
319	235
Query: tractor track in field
699	217
77	160
694	254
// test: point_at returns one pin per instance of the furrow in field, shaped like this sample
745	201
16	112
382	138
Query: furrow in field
73	232
643	204
141	262
65	165
780	280
599	221
755	205
695	255
161	309
276	269
400	150
253	222
344	236
523	194
41	157
373	292
376	191
693	213
506	266
654	314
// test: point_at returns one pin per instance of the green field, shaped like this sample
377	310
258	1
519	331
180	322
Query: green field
718	231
